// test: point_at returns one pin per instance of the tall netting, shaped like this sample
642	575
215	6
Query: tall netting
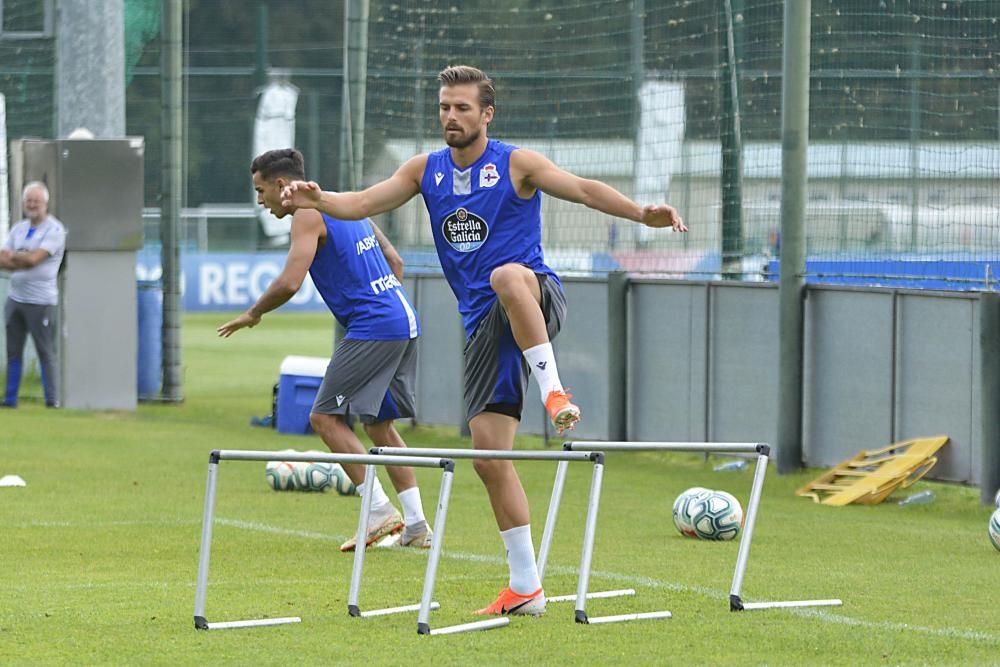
904	155
27	57
667	100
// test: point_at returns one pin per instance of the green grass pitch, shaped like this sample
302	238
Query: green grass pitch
99	553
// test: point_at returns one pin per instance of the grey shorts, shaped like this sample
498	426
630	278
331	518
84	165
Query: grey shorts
372	380
496	373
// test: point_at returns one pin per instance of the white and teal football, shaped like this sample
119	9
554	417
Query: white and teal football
342	483
281	476
682	520
316	476
995	529
716	516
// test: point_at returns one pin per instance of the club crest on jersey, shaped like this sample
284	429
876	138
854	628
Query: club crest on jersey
489	176
465	231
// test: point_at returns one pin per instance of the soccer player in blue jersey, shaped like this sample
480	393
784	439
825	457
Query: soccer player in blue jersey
371	376
483	198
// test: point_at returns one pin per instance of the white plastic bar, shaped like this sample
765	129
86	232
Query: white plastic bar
550	519
749	606
207	519
646	615
589	531
360	459
469	627
423	617
721	447
397	610
229	625
625	592
360	541
483	454
749	521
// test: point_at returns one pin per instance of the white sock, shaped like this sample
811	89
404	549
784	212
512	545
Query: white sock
542	361
380	501
413	508
521	560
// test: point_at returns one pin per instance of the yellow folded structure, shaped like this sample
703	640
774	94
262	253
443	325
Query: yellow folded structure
871	475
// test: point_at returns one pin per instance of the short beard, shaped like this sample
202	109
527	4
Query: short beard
462	143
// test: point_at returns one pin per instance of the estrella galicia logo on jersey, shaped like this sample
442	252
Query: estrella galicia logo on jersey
465	231
488	176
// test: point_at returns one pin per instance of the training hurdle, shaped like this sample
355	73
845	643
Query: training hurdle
219	455
762	451
563	458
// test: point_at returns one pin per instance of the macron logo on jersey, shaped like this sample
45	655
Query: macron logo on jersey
437	178
385	283
367	243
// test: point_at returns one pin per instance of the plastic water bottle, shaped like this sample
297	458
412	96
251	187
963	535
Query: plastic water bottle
922	498
996	498
738	465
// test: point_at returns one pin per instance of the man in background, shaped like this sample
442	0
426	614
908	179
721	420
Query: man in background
32	253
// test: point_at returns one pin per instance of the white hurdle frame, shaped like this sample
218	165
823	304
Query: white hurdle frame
564	458
219	455
762	450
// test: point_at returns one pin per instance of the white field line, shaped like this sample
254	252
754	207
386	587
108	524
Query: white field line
825	616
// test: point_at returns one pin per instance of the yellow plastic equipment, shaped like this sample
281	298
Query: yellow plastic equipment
871	475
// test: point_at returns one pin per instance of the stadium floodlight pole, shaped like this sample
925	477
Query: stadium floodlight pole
219	455
794	179
989	355
590	527
731	139
354	92
171	189
762	450
4	208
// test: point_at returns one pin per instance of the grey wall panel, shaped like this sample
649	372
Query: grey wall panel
99	331
847	390
667	361
582	354
743	363
439	364
935	375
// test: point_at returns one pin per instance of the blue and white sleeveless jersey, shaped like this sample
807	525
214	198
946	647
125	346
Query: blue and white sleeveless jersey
351	274
479	223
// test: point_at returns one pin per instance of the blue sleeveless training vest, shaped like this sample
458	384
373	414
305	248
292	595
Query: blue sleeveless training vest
351	274
479	223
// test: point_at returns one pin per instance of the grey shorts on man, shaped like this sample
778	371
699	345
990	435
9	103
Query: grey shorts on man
372	380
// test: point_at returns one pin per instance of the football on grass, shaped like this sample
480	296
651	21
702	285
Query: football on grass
995	529
716	516
682	520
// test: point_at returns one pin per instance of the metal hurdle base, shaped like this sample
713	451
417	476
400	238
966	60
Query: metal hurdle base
201	624
590	529
736	603
216	456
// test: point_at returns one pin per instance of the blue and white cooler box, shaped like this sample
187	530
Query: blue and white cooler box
298	383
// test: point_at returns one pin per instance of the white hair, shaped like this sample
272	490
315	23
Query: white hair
36	185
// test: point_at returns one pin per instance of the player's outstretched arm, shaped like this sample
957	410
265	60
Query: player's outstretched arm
535	171
387	195
307	226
